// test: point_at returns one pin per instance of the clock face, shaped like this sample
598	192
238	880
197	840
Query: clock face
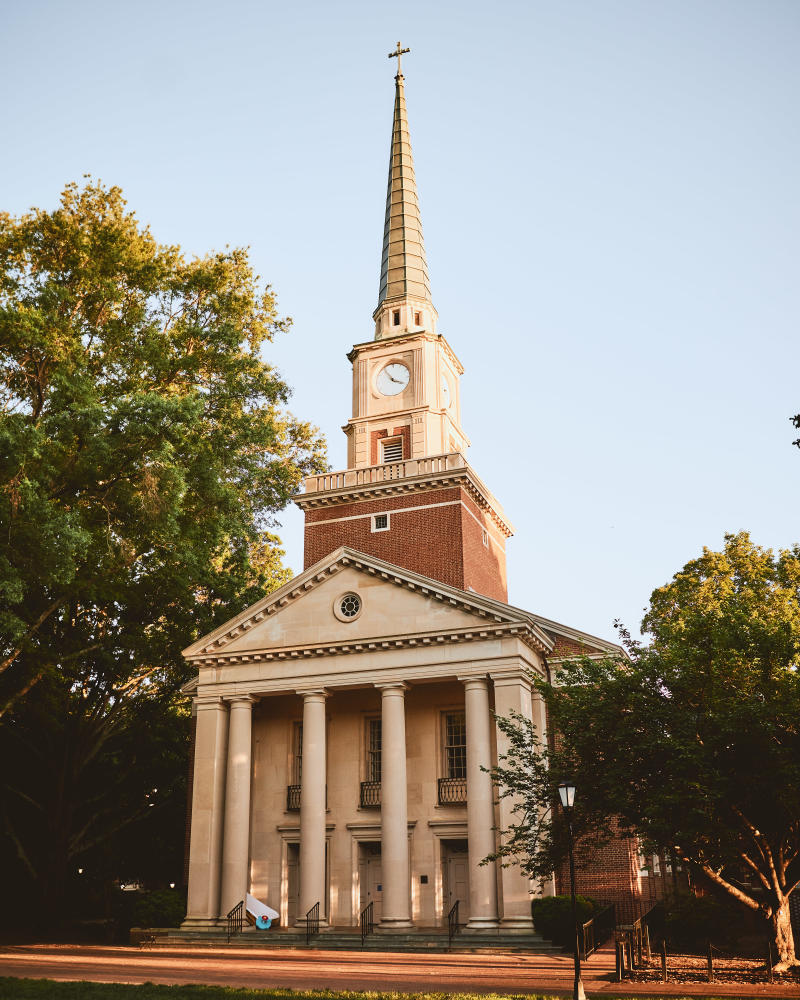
393	379
445	392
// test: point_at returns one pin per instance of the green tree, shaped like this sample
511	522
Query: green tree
144	449
693	743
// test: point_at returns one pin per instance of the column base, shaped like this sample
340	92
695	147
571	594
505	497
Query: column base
521	925
394	925
481	924
202	923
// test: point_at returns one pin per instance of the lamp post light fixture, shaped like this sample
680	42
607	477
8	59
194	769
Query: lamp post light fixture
566	792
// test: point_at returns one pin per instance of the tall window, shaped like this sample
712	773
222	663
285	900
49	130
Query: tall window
455	745
373	750
297	753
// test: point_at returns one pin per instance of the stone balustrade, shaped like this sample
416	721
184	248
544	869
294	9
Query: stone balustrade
390	472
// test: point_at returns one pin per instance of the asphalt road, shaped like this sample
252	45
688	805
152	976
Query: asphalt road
261	969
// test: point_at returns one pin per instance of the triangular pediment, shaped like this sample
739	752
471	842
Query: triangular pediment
393	605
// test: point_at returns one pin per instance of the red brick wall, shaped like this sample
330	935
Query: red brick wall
440	542
608	874
611	874
484	565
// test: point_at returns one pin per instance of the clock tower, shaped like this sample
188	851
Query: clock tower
408	494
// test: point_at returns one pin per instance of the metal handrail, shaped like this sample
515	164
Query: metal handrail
597	930
312	922
452	924
292	798
236	920
366	919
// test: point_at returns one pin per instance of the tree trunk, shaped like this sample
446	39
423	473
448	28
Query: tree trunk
781	925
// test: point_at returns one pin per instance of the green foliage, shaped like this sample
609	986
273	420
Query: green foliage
552	917
692	921
144	449
692	743
159	908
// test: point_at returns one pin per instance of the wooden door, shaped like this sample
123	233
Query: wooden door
455	869
370	878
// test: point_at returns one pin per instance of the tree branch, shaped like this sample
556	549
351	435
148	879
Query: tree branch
5	664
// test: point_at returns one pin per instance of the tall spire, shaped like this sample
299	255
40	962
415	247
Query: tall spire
404	270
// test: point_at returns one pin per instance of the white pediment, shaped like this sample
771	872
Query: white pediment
385	610
393	603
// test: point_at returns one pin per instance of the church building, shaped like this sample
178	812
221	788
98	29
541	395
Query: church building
343	722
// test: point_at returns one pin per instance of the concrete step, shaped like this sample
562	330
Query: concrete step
345	939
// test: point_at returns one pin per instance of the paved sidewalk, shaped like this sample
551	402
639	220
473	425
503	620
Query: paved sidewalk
257	969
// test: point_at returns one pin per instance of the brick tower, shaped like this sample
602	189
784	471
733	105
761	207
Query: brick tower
408	494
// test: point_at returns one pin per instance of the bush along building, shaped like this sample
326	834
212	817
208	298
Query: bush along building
344	722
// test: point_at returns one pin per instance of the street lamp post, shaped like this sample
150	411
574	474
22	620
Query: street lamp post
566	792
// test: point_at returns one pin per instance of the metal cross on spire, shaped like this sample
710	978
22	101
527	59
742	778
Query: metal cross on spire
399	51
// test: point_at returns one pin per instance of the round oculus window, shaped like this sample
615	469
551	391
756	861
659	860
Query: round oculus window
347	607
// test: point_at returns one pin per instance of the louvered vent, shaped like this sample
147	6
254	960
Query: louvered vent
393	451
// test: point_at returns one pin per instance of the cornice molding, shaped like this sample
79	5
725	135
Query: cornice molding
373	346
424	483
210	658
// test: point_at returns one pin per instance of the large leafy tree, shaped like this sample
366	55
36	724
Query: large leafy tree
693	743
144	448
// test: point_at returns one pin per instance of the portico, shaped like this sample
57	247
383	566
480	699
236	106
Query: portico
416	658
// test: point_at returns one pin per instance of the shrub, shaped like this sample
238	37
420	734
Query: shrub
692	921
552	917
158	908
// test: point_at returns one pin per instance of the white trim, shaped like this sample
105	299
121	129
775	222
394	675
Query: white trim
396	510
408	510
385	513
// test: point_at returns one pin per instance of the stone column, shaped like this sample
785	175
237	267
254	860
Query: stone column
394	809
236	833
208	797
480	806
547	886
512	691
313	805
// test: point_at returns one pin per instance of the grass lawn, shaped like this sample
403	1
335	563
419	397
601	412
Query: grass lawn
47	989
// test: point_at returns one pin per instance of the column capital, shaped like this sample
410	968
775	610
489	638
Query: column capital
509	678
396	687
313	692
206	701
241	700
474	680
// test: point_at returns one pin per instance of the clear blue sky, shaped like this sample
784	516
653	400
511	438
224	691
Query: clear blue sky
609	194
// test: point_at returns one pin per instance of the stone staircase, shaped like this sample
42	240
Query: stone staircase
422	939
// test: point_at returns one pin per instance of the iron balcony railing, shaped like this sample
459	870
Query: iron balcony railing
452	791
293	798
370	797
